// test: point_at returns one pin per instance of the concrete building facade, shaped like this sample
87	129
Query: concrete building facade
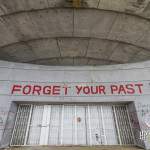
124	85
74	72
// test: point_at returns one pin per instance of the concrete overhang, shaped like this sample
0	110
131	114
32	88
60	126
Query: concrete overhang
54	32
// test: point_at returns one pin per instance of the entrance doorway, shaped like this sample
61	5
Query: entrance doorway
72	125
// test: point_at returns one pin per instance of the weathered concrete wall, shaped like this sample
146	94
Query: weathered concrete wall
9	124
66	36
23	74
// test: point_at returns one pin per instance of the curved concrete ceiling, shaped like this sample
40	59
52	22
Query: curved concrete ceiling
52	32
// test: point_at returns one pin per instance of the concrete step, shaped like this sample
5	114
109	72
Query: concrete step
76	148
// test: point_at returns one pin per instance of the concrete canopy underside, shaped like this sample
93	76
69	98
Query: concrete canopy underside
52	32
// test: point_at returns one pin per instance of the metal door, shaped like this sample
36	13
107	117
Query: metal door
68	125
81	127
35	125
45	125
72	125
95	126
20	131
55	124
109	125
124	128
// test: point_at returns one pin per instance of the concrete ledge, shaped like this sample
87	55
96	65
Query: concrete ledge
75	148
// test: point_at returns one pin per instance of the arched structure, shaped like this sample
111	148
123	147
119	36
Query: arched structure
91	82
55	33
